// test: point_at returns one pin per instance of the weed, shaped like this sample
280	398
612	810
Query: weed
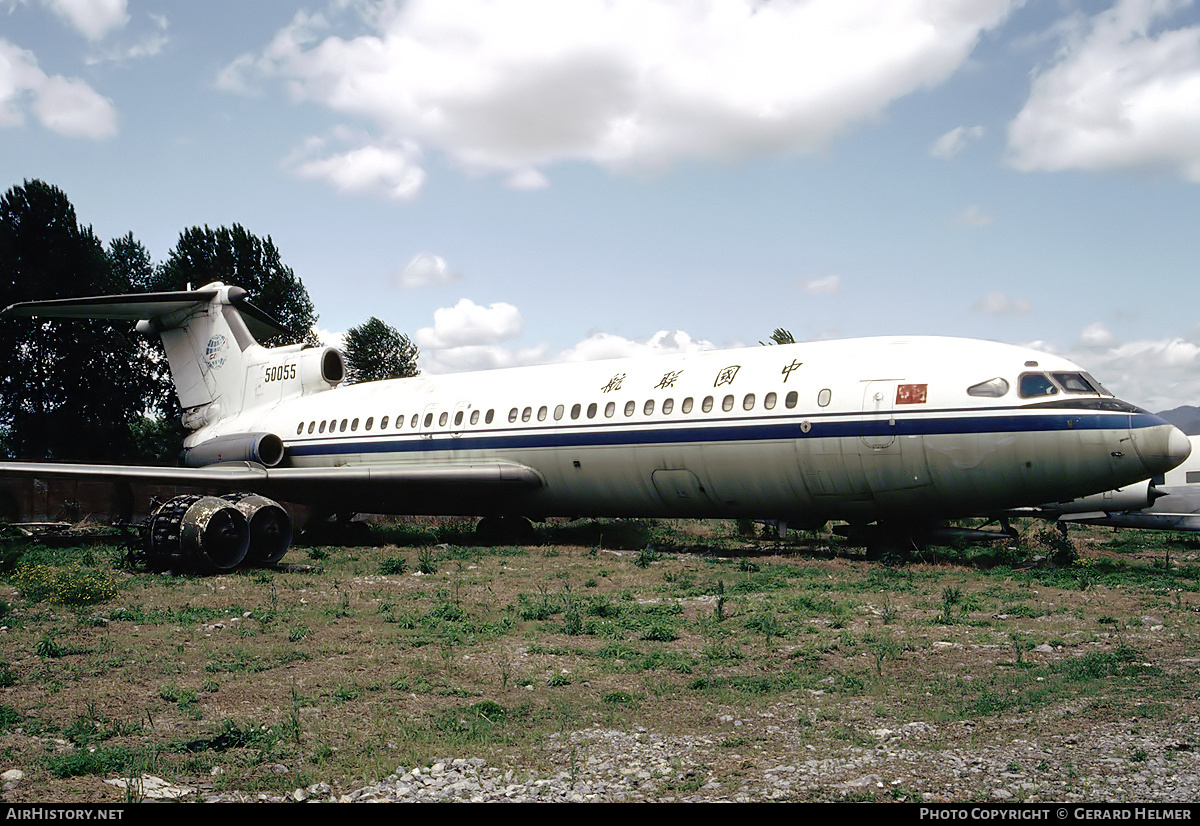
394	566
951	596
426	561
646	557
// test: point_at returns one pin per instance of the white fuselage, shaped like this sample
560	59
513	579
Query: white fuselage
905	430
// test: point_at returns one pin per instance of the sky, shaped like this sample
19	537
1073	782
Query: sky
533	181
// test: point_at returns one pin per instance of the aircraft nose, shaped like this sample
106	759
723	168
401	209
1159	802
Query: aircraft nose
1162	448
1179	447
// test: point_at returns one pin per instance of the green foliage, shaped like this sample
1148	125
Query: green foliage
64	586
426	561
780	336
646	557
951	596
235	256
393	566
376	351
69	390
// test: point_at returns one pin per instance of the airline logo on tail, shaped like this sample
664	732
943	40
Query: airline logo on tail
214	353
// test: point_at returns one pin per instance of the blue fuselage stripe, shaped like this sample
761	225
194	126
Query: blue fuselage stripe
610	434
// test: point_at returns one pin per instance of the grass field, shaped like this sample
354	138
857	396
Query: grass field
347	662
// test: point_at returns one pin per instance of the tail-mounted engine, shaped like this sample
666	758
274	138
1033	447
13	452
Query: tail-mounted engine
265	449
213	535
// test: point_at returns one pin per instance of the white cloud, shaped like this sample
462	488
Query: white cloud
973	216
1096	335
998	303
607	346
823	286
954	141
91	18
141	45
468	324
64	105
626	84
425	269
1122	94
527	179
386	171
1157	375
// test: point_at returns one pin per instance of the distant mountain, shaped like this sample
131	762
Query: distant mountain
1186	418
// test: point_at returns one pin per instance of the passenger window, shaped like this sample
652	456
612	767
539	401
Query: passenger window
610	410
558	412
990	389
299	428
491	414
575	411
707	404
442	419
1037	384
630	407
311	425
428	419
370	422
412	423
322	430
383	423
526	414
769	401
543	411
344	423
748	402
668	406
512	415
822	398
474	417
592	410
686	407
648	407
354	426
727	403
458	417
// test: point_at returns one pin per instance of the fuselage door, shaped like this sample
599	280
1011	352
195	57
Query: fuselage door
433	420
879	420
458	420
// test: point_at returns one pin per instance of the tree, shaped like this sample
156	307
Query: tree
377	351
236	257
69	390
780	336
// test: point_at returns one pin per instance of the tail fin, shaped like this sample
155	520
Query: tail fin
209	336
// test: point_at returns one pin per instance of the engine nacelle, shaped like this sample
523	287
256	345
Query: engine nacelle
270	527
1129	498
196	533
265	449
321	368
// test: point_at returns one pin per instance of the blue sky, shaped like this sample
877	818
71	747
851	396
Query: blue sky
535	180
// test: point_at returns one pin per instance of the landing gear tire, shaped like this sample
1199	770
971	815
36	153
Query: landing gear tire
505	530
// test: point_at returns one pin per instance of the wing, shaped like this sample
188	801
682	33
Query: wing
394	488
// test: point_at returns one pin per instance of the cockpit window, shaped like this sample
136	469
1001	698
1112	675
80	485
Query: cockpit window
1100	388
992	388
1074	383
1037	384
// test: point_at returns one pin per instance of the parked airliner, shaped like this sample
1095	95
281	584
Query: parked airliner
887	434
1170	502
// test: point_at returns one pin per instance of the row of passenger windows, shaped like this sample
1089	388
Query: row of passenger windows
728	403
